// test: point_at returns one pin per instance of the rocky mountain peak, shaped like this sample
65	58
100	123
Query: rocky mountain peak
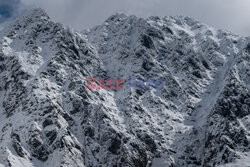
49	117
35	15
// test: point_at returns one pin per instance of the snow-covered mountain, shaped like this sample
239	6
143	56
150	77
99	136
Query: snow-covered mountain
48	117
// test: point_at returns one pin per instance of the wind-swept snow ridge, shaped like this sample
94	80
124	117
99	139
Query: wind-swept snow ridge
49	118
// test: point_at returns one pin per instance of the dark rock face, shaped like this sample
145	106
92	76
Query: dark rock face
197	116
39	150
232	137
248	48
114	146
147	41
17	145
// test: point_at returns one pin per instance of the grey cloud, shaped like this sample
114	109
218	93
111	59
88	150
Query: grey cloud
8	9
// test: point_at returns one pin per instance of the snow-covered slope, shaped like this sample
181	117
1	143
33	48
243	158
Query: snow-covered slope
201	116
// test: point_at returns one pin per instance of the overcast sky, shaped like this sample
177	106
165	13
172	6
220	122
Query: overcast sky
233	15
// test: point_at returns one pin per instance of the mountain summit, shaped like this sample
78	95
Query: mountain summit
49	117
